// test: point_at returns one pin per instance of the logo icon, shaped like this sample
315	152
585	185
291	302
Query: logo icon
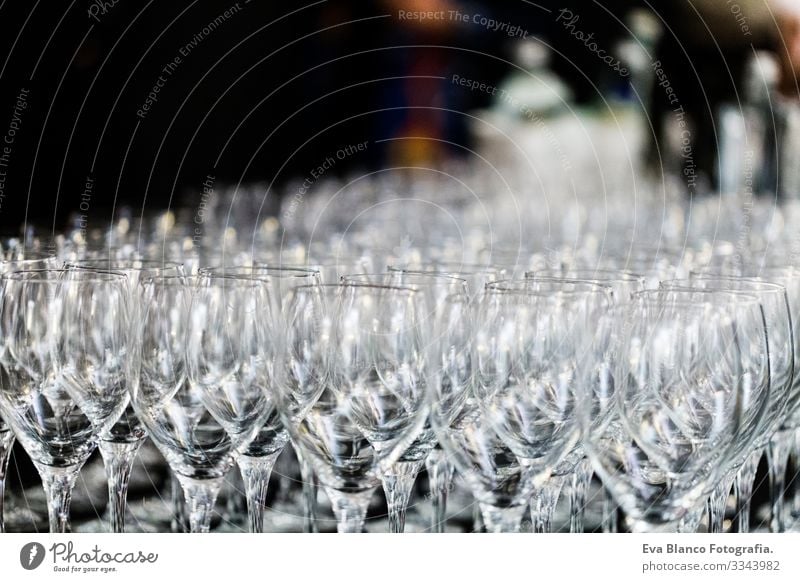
31	555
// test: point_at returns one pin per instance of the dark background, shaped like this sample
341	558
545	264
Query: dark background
270	93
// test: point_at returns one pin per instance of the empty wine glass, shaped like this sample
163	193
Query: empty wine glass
686	377
499	480
398	480
229	358
120	444
780	334
66	348
384	334
527	350
256	463
196	446
15	259
572	465
576	467
344	461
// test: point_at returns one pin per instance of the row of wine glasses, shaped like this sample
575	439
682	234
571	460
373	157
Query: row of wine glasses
670	395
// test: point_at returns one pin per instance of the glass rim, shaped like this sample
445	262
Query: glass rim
578	274
593	285
459	268
257	270
314	276
366	285
148	264
629	309
687	284
434	276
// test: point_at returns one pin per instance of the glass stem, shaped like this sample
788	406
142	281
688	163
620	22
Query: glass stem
743	488
118	460
58	484
778	459
350	509
255	473
502	520
543	503
440	478
398	482
581	480
309	492
201	495
717	504
179	518
6	444
610	514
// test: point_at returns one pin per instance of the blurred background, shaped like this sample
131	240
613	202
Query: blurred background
131	107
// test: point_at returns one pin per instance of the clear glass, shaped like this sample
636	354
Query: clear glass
231	345
67	348
120	444
175	411
666	438
436	291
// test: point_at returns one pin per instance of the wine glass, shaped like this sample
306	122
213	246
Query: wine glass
789	278
372	405
257	462
573	466
66	348
622	284
174	410
779	322
120	444
385	330
687	376
476	276
229	359
344	461
15	259
527	348
398	481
